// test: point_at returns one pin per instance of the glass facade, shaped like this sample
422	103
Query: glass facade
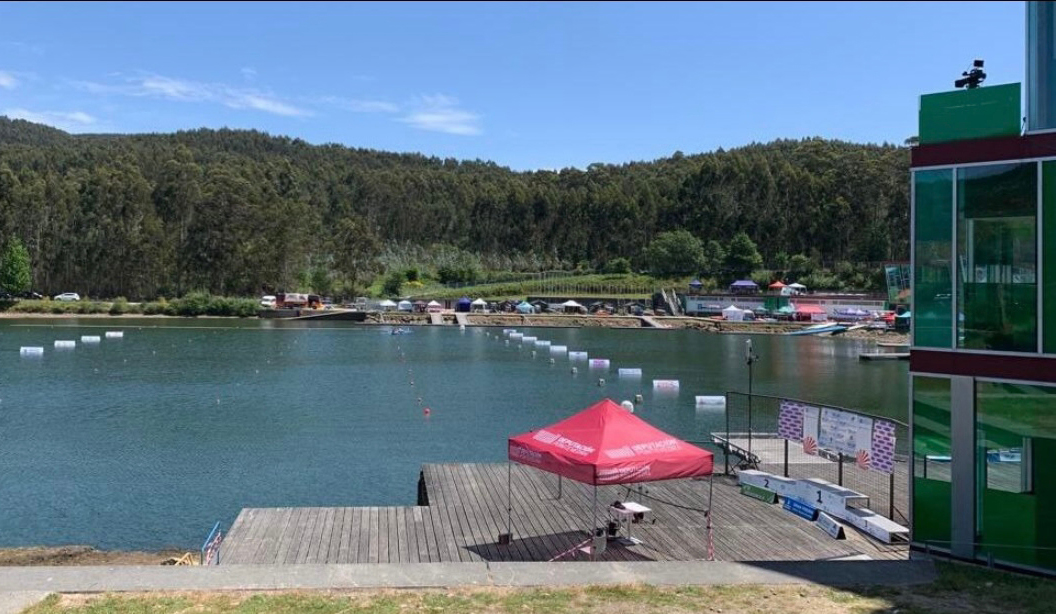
1016	473
932	258
997	301
1048	255
931	460
1041	66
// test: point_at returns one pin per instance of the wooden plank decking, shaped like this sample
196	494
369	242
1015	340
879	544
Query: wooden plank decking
466	512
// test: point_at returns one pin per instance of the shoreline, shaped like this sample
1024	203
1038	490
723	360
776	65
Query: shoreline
705	325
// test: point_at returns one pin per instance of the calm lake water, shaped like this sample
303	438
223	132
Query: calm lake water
144	442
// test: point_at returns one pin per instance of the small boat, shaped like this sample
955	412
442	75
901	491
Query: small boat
818	329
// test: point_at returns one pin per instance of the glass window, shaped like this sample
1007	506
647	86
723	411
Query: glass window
1048	183
1041	66
931	460
1016	472
997	257
932	258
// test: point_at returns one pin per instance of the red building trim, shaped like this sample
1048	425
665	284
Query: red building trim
985	150
1025	367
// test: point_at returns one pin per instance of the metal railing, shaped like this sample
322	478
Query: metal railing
210	551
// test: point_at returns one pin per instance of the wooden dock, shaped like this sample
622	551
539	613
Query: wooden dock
463	512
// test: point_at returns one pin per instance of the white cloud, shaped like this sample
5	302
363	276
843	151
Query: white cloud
440	113
245	100
169	88
359	105
248	73
8	81
71	121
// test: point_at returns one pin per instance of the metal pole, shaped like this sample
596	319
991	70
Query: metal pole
711	543
891	496
786	458
839	473
751	357
594	523
509	499
726	451
560	482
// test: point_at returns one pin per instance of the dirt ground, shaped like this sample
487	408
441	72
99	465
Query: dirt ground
81	555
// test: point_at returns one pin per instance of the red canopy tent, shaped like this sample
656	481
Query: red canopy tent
607	444
777	285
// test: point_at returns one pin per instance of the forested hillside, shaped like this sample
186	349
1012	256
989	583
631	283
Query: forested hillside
233	212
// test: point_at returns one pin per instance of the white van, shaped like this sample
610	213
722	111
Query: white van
267	302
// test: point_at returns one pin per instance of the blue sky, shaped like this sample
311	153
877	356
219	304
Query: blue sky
526	85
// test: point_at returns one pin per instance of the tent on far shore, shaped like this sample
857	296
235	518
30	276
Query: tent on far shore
814	313
744	286
571	306
434	307
405	305
733	314
479	305
464	304
387	305
524	307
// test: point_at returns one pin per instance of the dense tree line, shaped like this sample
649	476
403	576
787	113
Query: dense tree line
235	212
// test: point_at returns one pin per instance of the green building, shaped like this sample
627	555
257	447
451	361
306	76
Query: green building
983	358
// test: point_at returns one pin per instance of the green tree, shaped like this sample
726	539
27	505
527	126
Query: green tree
799	266
779	262
714	258
393	282
15	272
674	253
356	250
617	266
742	257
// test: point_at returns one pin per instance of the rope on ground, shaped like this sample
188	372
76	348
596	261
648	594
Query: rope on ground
570	550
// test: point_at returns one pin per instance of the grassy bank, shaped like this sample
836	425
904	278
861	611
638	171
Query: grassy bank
962	590
194	304
629	286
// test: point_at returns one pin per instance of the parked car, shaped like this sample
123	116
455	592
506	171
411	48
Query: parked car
267	302
68	296
35	296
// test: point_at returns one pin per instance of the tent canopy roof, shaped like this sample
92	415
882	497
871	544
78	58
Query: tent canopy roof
387	303
480	301
776	284
809	309
405	302
797	286
745	283
570	303
464	300
606	444
434	304
696	283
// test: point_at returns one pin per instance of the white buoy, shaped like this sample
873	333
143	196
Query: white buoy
533	353
627	405
462	327
629	372
601	381
119	334
27	350
574	370
65	344
551	361
90	339
638	398
711	402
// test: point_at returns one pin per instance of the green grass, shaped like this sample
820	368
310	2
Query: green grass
959	589
627	286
